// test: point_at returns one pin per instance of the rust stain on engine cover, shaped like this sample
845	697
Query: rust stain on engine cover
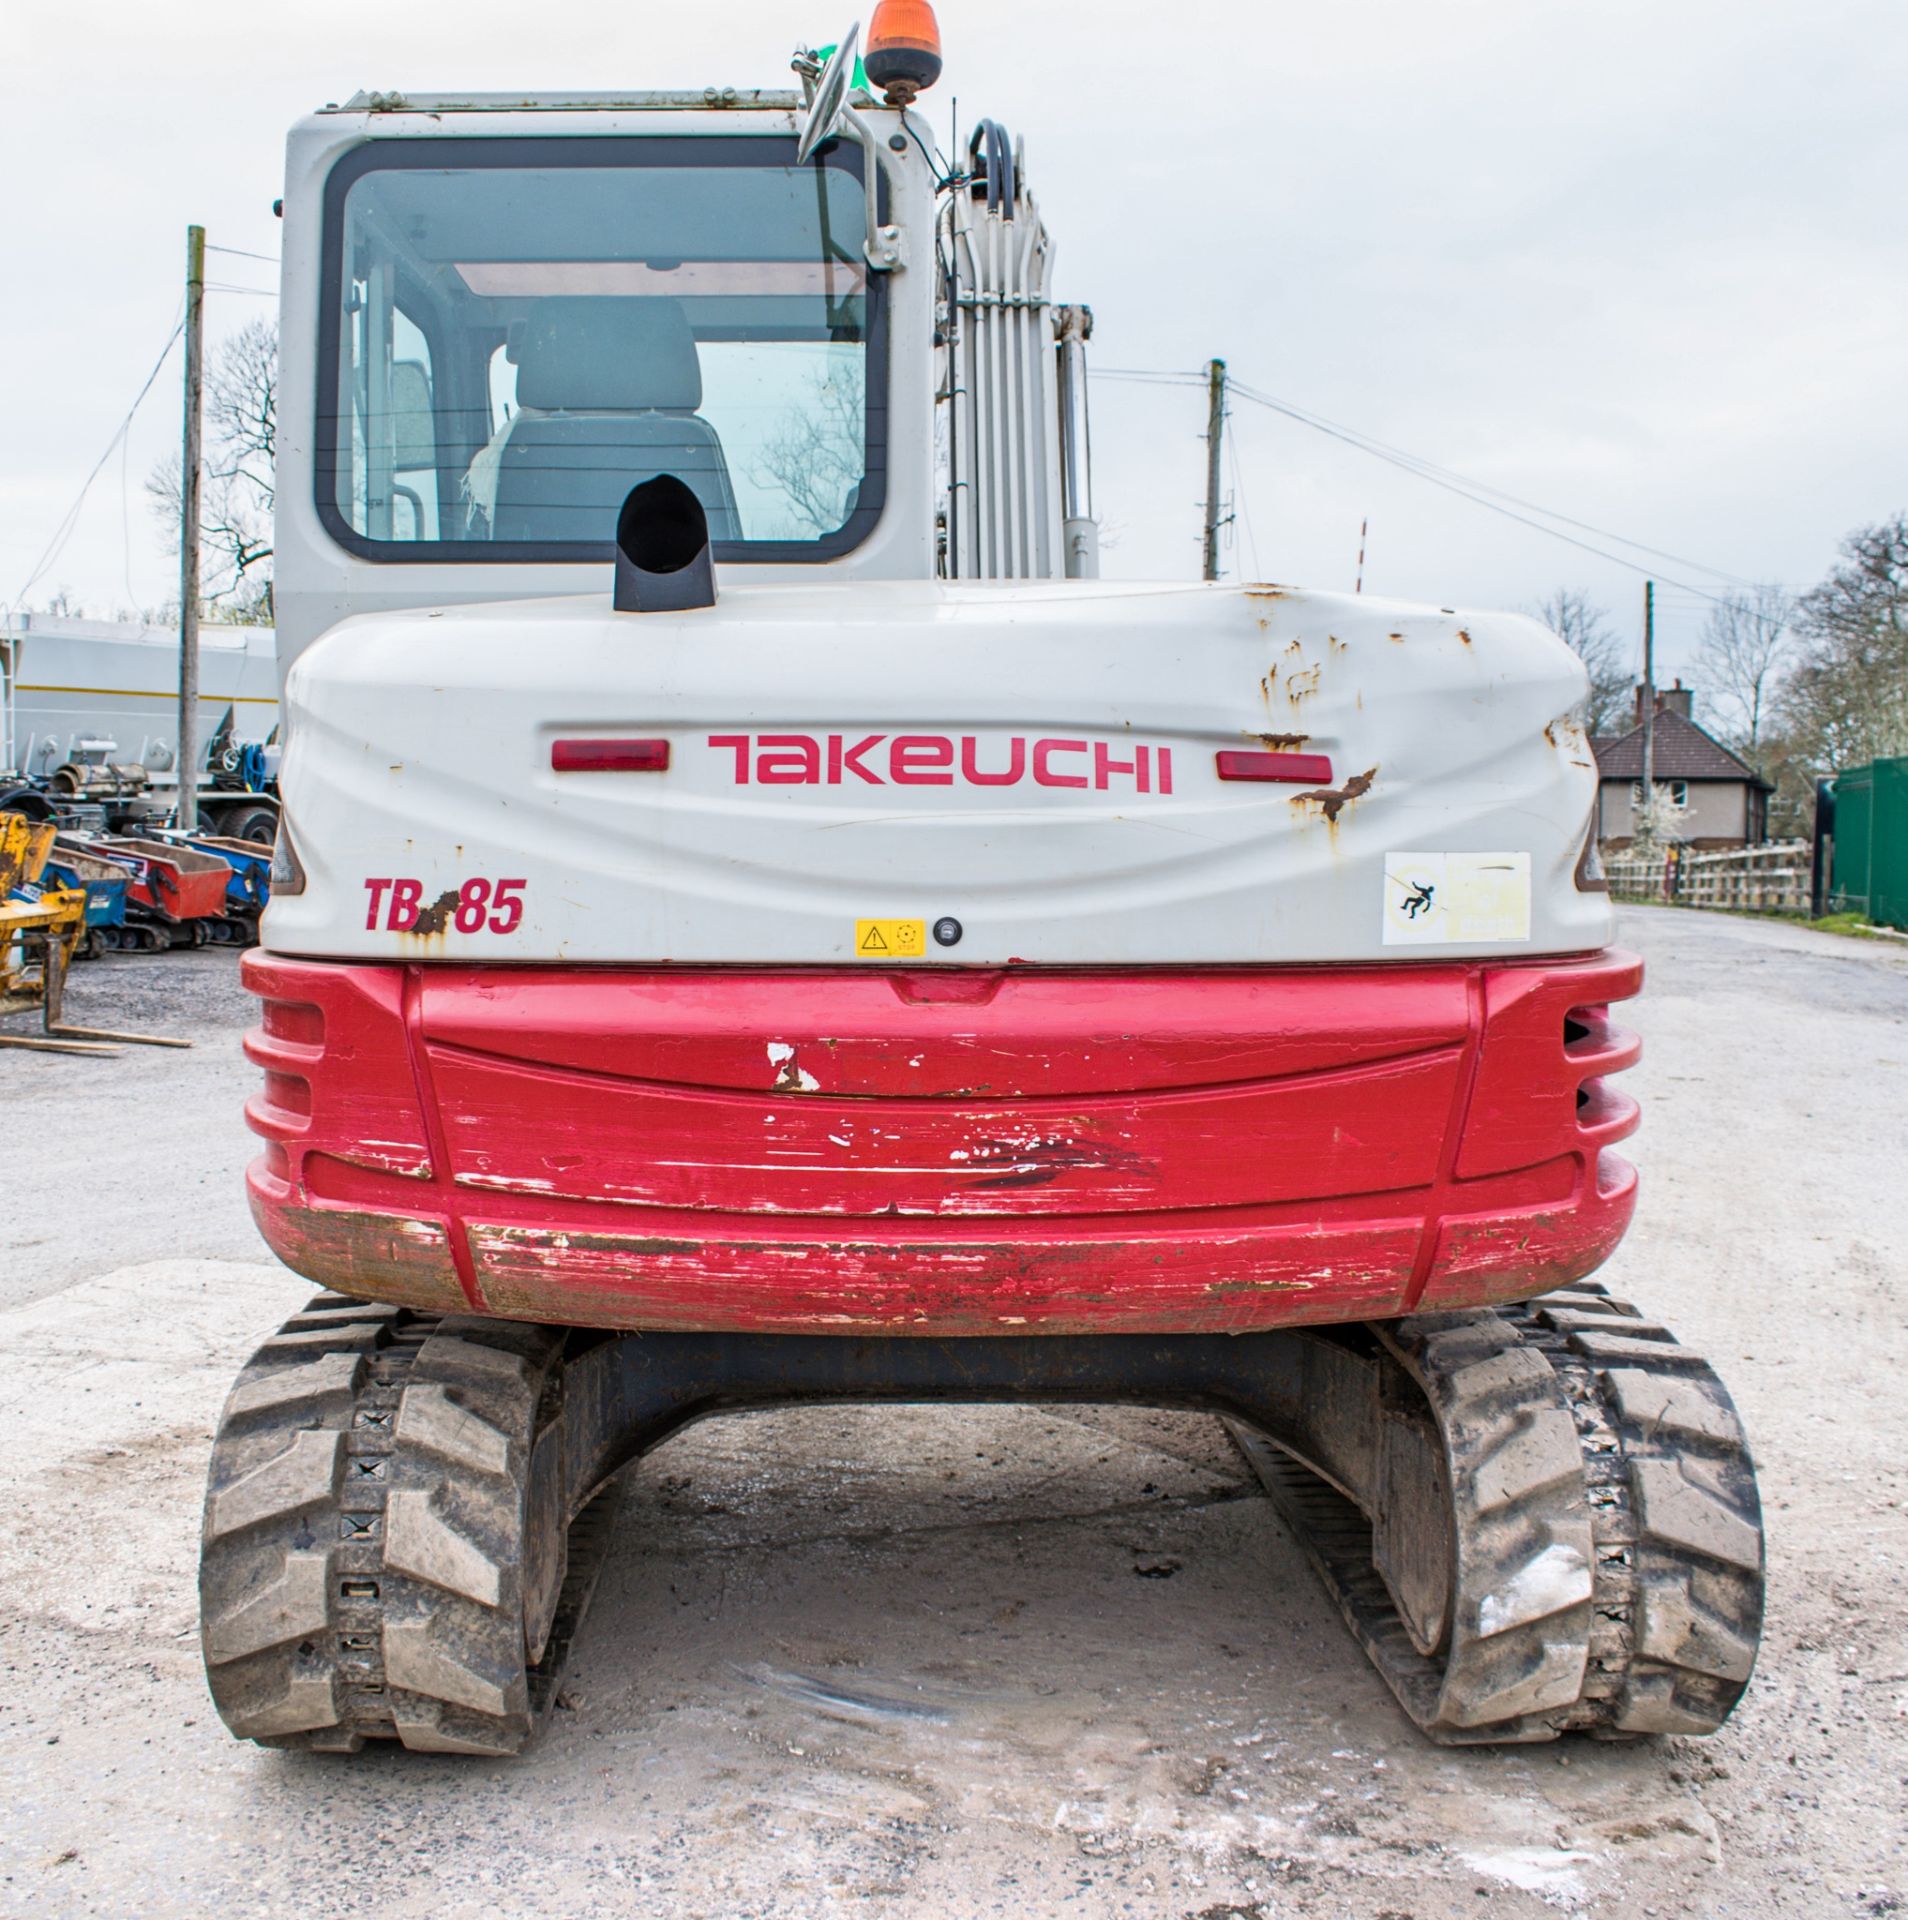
431	923
1332	801
1574	743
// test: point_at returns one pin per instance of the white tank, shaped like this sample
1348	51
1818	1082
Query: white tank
71	680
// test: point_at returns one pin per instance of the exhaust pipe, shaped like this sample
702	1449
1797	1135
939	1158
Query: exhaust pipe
662	550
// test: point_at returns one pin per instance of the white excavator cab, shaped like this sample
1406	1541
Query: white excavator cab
501	313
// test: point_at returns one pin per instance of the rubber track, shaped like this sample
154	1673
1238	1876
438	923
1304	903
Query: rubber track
374	1560
1613	1586
1678	1523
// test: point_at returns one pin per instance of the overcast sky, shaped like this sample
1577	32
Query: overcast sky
1643	264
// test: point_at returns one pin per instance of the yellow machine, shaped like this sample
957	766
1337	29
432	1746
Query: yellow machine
39	933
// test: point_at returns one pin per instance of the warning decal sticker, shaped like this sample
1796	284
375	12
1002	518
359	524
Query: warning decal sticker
890	939
1448	899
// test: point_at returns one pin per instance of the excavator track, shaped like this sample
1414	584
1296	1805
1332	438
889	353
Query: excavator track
1537	1520
1674	1509
1563	1535
386	1553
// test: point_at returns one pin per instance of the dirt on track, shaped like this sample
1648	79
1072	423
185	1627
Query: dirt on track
928	1662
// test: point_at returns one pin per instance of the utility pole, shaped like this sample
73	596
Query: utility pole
1649	691
189	464
1215	426
1358	585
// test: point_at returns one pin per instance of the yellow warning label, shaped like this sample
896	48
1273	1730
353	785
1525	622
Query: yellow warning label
890	939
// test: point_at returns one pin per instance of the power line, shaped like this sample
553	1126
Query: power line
1478	492
1483	495
1484	486
64	531
1152	376
270	259
1464	493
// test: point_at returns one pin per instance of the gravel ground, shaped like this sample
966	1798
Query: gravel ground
135	1157
899	1662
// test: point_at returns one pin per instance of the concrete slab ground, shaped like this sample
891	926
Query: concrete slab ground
921	1662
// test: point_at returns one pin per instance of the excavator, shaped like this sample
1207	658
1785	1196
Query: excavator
758	920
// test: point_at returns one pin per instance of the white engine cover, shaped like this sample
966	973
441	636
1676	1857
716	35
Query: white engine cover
870	716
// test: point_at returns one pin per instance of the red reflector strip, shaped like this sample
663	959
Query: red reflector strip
1298	768
610	756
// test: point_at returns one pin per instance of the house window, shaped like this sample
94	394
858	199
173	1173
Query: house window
1678	792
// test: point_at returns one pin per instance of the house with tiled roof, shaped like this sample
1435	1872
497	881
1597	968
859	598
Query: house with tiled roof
1727	799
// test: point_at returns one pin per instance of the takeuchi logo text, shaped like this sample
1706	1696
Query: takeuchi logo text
942	760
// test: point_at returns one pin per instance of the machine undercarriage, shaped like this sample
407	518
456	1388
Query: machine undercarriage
1537	1521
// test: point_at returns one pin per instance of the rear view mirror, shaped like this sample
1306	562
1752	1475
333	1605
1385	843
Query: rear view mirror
831	94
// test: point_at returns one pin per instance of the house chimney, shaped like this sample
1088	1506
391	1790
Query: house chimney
1676	699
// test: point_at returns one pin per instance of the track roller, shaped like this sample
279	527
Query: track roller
386	1545
1560	1533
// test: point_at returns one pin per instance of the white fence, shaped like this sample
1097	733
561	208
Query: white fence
1769	878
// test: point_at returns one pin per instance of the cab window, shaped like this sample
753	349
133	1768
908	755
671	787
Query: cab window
517	332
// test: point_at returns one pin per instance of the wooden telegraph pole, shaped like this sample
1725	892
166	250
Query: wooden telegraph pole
1215	426
1649	690
189	466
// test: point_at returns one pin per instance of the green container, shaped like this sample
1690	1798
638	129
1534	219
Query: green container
1870	871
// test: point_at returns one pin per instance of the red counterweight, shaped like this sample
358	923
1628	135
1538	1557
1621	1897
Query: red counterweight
826	1150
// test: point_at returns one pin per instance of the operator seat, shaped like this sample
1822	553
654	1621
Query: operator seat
607	392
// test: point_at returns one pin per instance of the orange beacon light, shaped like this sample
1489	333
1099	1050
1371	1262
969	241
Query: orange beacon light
903	54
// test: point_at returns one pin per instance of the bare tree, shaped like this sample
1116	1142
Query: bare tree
241	456
816	455
1584	627
1846	700
1745	645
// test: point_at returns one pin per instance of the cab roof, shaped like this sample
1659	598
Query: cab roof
781	100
